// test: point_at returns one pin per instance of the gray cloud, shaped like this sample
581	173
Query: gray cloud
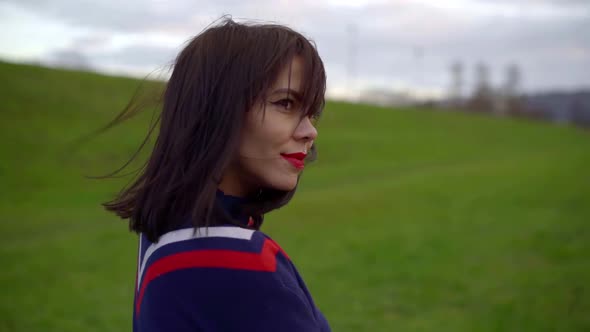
136	15
420	44
411	42
136	56
561	3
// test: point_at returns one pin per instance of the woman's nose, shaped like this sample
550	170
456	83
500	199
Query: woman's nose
306	130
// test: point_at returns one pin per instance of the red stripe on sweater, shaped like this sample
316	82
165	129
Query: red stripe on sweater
265	261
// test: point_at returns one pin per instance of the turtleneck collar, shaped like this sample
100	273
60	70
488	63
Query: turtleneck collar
231	205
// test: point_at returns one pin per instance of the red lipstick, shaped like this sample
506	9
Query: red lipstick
296	159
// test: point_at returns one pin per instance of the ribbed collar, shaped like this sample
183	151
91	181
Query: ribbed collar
232	205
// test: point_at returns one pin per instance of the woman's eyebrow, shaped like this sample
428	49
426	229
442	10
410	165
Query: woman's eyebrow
290	92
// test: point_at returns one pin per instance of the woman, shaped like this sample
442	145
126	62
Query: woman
235	132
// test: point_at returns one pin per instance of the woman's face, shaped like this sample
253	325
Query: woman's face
273	143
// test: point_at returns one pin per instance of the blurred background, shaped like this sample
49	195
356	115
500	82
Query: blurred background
451	193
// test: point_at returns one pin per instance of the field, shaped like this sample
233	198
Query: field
410	220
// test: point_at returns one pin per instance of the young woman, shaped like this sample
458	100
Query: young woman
235	133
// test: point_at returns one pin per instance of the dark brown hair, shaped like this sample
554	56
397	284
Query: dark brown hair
218	76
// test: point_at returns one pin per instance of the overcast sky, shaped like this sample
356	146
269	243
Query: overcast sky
396	44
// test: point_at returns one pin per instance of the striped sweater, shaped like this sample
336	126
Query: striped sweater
223	278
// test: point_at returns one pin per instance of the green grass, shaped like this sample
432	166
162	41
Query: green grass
410	220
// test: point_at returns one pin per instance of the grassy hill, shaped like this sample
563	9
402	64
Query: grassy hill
410	220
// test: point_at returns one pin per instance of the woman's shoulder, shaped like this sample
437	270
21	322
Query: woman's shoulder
213	250
207	247
226	277
232	238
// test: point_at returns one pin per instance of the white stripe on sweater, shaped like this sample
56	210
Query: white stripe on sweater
185	234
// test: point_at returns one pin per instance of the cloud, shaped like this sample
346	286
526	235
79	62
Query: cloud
141	15
390	43
108	15
417	43
137	55
136	59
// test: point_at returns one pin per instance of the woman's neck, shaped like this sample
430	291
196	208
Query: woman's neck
236	186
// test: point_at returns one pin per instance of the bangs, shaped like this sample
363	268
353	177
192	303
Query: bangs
313	90
314	78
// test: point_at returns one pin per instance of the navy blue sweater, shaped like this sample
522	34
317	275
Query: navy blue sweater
223	278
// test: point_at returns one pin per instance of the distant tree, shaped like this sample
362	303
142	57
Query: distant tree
456	90
482	97
511	94
512	80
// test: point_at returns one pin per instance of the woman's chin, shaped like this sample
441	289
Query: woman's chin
285	184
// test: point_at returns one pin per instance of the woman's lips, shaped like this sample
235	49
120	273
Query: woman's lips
296	159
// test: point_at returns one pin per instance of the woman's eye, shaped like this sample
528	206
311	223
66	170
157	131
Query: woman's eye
285	103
